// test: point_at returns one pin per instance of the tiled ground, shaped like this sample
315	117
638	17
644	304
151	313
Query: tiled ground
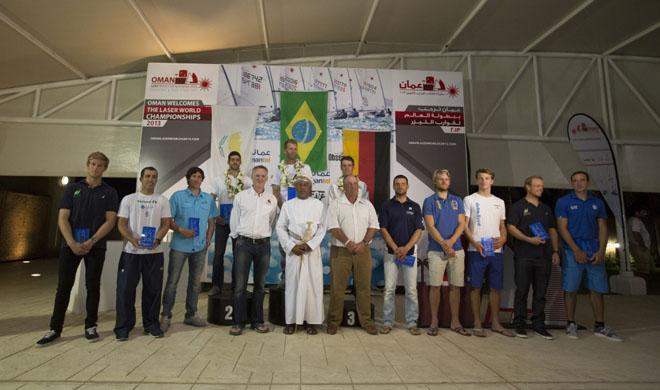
208	358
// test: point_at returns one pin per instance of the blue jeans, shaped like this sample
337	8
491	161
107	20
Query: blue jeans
391	269
249	251
195	267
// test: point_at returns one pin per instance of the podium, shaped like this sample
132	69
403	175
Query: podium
350	316
276	306
221	308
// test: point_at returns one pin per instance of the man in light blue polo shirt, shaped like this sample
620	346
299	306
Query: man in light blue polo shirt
193	216
582	224
444	216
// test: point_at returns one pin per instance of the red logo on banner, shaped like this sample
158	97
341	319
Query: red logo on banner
182	78
429	84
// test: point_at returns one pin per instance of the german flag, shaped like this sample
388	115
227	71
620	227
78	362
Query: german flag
371	152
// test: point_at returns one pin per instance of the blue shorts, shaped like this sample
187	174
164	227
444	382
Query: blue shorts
478	266
572	273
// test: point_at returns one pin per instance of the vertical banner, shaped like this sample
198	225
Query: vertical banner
304	117
176	126
232	130
595	152
430	133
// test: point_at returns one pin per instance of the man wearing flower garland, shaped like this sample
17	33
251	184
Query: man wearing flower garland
336	190
282	183
225	188
287	170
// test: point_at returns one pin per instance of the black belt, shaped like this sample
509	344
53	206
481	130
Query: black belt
254	240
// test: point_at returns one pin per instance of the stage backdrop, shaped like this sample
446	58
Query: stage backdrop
392	121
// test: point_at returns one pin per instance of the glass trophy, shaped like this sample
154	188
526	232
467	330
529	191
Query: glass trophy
539	231
291	193
148	236
193	224
225	211
81	234
487	243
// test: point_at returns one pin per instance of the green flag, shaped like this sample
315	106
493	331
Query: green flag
304	117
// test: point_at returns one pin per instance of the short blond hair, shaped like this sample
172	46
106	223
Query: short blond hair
528	181
439	172
98	156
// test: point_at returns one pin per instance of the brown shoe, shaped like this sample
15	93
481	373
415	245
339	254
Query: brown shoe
371	329
332	329
414	331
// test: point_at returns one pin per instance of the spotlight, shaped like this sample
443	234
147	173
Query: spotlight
35	275
26	261
64	180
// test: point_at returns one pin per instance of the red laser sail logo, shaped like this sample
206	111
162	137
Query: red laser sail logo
183	78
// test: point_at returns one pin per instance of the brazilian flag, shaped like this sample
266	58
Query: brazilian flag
304	117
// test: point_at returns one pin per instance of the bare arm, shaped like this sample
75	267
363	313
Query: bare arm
470	237
126	232
108	225
562	228
554	239
499	243
599	256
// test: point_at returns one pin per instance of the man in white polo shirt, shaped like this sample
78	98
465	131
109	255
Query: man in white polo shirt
251	223
144	219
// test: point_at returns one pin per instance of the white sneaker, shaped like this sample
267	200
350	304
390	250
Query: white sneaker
604	331
572	331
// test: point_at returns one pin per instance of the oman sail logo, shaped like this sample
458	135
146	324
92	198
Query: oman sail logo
183	78
429	85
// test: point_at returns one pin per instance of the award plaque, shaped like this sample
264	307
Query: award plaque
487	243
148	236
590	247
225	211
291	193
539	231
81	235
193	224
408	261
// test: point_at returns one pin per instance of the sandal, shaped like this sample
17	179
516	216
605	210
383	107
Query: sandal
479	332
311	330
289	329
261	328
385	329
414	331
460	330
503	332
236	331
432	331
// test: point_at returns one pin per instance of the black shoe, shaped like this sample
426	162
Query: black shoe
544	333
48	338
156	333
521	332
91	334
122	337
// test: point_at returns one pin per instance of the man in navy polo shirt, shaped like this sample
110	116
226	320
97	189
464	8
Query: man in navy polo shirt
582	224
87	214
401	226
535	244
193	222
444	216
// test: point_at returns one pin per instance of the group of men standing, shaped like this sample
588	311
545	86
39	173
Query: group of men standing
242	208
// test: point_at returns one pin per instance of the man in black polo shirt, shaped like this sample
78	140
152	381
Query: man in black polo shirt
88	210
401	226
535	244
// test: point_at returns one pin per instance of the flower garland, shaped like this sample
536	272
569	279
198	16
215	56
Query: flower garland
231	189
284	179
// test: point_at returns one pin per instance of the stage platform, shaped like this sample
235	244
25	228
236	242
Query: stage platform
209	358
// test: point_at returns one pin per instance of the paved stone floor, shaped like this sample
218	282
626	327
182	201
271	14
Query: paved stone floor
209	358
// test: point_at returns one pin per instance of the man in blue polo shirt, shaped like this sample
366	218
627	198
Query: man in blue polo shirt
582	224
193	222
401	226
444	216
